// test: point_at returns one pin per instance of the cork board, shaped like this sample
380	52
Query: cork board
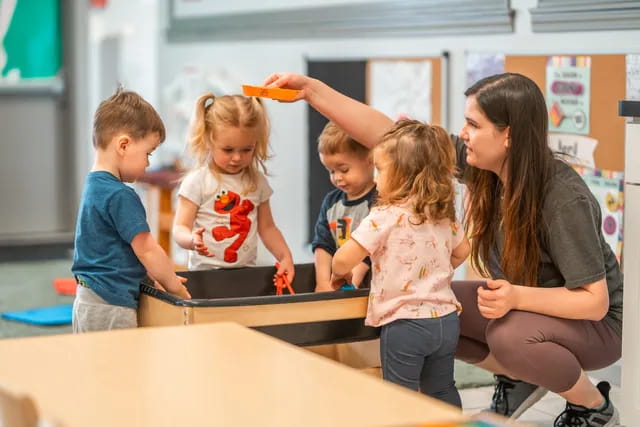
608	80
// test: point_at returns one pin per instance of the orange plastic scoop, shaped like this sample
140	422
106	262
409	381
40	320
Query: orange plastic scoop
270	92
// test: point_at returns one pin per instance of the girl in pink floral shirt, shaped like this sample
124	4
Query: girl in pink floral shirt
414	243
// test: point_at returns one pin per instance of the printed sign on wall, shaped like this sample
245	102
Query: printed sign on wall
633	77
607	187
568	93
578	149
401	89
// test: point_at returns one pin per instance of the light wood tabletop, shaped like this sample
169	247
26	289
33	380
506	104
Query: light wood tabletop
219	374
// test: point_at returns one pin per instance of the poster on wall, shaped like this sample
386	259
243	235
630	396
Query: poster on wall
481	65
401	88
30	40
577	149
633	77
607	187
568	93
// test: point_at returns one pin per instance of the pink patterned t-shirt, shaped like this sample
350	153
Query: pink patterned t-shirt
411	265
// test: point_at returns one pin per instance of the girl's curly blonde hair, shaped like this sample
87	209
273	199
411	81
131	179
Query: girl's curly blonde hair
421	170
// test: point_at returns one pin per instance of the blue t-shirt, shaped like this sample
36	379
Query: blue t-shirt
338	217
110	216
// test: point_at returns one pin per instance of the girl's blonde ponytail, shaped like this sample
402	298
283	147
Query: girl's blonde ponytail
198	135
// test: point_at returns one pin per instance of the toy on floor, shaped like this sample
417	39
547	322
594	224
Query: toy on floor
49	316
280	281
65	285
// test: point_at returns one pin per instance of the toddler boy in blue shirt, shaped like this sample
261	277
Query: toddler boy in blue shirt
114	249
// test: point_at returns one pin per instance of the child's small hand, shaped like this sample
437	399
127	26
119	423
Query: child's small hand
323	287
285	266
198	243
338	280
358	274
182	291
158	286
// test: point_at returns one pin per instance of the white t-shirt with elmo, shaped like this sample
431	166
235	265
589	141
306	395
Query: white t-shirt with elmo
228	214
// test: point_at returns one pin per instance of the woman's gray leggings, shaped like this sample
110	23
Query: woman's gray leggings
543	350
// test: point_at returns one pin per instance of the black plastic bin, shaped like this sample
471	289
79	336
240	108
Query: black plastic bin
247	296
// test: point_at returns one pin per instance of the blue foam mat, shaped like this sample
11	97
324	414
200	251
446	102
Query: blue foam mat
55	315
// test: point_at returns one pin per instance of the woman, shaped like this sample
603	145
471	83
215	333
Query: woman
552	307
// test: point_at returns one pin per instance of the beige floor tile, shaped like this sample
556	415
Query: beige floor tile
552	405
537	418
476	398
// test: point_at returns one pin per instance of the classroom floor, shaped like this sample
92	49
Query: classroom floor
29	284
26	285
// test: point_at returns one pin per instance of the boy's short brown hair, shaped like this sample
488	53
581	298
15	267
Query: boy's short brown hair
126	112
334	140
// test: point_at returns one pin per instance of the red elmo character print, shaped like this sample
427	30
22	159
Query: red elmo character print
228	202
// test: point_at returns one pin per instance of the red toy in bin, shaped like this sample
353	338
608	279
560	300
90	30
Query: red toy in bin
280	281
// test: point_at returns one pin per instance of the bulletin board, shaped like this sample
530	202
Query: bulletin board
438	85
608	86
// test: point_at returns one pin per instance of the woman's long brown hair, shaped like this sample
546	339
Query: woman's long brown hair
511	101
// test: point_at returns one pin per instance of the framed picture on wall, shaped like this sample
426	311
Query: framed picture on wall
30	41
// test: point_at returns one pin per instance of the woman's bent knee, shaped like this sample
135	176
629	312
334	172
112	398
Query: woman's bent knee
511	336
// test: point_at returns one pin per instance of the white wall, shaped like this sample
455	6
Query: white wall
251	62
190	9
79	122
135	24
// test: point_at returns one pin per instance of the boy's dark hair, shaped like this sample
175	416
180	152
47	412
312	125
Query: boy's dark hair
333	140
125	112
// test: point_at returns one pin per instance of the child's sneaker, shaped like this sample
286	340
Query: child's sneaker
511	397
579	416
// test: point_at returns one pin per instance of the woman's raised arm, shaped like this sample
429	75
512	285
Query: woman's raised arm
363	123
